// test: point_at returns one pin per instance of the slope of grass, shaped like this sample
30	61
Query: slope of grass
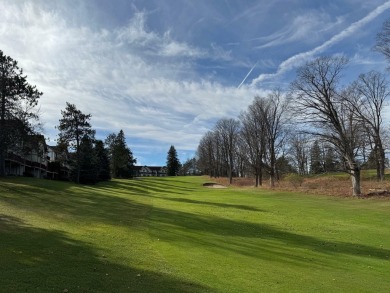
173	235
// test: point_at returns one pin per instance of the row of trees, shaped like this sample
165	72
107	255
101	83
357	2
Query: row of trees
347	121
92	160
318	125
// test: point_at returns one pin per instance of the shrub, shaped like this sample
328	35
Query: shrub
294	179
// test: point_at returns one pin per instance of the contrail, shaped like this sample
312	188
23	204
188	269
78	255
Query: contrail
295	60
250	71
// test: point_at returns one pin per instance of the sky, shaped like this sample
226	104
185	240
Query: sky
164	71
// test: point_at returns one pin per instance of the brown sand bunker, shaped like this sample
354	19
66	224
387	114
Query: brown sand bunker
213	185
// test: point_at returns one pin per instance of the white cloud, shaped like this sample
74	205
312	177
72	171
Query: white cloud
305	27
298	59
125	77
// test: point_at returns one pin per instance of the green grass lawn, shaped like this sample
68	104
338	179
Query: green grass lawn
173	235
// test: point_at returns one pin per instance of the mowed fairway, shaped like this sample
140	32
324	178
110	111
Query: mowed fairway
174	235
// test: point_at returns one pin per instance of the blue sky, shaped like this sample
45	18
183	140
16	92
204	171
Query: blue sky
165	71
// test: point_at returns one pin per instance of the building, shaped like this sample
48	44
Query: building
28	158
148	171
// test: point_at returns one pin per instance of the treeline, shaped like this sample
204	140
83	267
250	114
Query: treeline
92	160
317	125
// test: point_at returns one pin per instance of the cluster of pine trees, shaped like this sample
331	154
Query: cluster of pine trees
92	160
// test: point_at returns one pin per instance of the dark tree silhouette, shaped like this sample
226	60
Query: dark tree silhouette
121	157
173	163
73	126
17	102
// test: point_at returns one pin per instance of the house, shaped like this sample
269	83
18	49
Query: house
148	171
29	158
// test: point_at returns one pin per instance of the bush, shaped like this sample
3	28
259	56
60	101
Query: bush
294	179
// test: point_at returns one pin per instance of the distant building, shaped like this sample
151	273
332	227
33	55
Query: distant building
149	171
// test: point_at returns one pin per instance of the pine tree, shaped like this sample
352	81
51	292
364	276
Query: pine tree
121	157
88	161
103	162
316	159
330	160
173	163
73	126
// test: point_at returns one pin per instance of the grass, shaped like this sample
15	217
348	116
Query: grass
173	235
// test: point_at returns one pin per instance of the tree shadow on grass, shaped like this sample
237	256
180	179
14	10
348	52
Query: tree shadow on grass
38	260
106	204
240	237
214	204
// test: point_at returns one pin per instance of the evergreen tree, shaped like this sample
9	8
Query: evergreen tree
173	163
88	161
330	161
121	157
17	102
103	162
316	159
73	126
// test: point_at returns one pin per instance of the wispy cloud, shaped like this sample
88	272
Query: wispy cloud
163	80
128	78
311	23
298	59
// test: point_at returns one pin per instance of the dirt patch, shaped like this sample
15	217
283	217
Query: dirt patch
378	192
213	185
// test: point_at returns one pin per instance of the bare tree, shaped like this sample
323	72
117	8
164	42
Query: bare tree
227	130
368	99
320	103
206	158
253	137
299	151
383	40
273	110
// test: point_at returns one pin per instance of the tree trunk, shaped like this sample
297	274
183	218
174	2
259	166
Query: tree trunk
272	178
381	162
272	172
230	169
257	175
355	178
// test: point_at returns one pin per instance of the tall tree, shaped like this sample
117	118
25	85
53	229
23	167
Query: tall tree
367	100
17	101
208	160
299	145
274	113
121	157
228	131
88	161
320	103
103	161
73	126
253	133
173	163
316	159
